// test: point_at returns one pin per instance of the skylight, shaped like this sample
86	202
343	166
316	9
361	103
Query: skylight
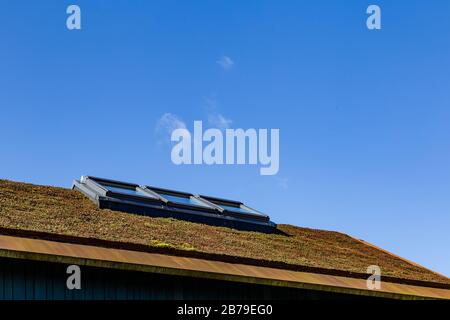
238	209
157	202
184	200
136	191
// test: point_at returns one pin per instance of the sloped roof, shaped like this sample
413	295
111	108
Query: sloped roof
66	215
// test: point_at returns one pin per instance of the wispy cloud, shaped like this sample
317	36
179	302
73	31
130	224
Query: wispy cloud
166	124
282	183
216	119
219	121
226	62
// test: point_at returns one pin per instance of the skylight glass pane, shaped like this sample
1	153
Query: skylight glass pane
123	190
183	200
238	209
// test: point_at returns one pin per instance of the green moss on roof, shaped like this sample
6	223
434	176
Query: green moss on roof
67	212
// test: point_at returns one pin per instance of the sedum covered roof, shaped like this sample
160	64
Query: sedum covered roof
66	215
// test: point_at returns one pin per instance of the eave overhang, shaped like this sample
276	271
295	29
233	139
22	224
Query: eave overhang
86	255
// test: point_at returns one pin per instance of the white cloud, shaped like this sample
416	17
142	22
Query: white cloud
166	124
226	62
216	119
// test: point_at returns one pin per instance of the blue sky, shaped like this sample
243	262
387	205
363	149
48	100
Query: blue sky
363	115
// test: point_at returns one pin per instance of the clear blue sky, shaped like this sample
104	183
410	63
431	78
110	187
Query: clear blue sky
364	116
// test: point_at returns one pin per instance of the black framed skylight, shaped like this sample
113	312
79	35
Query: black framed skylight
235	208
159	202
182	199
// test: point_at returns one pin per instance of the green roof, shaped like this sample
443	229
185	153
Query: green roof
67	215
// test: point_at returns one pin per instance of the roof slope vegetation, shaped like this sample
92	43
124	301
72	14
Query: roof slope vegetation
63	212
